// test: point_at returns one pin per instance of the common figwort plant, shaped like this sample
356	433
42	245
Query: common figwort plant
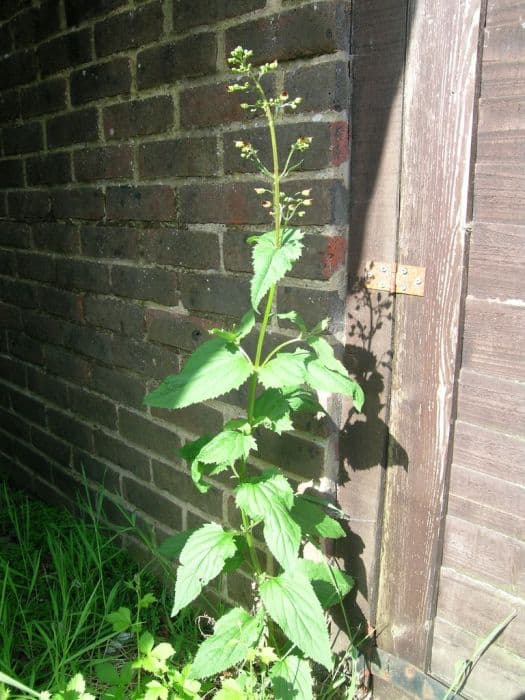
280	383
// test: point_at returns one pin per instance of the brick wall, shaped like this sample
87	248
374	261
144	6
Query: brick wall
123	214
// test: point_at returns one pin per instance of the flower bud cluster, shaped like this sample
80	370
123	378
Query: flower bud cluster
247	150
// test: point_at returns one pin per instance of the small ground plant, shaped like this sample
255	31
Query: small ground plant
285	629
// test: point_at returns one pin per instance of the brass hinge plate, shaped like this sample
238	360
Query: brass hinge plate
395	278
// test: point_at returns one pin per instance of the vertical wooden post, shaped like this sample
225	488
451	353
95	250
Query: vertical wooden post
439	97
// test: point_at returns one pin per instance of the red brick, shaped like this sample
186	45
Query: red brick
60	238
150	283
191	13
26	138
104	163
11	173
191	249
43	98
186	58
169	328
182	157
129	29
49	169
75	127
65	51
101	80
83	275
17	69
13	235
324	86
78	11
111	242
36	24
215	294
28	204
144	203
139	117
9	106
78	203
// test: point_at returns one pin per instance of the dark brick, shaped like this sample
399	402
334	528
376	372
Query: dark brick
328	148
191	13
312	304
75	127
197	419
56	449
35	266
6	38
9	7
10	317
17	69
184	332
113	315
74	431
47	386
214	293
187	58
322	255
29	408
180	485
123	388
26	348
110	242
65	51
144	203
60	303
36	24
106	163
37	463
83	275
101	80
78	11
15	235
325	86
43	98
148	434
88	341
44	328
16	292
183	157
152	503
191	249
119	452
152	284
92	407
139	117
23	139
228	203
28	204
129	29
59	238
11	173
282	37
97	471
49	169
7	263
68	365
80	203
292	453
144	358
9	106
14	370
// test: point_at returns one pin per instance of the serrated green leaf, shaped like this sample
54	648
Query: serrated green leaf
270	497
172	546
270	264
201	560
234	634
215	368
285	369
272	410
292	679
190	452
147	600
291	602
302	400
120	620
230	690
294	318
323	379
162	651
107	673
329	583
238	332
155	690
146	642
226	448
314	521
325	353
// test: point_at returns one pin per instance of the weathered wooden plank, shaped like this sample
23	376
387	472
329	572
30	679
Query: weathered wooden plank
505	42
499	673
492	605
502	11
494	338
503	147
439	104
507	522
484	554
503	79
491	402
487	490
378	44
499	193
490	452
496	261
502	114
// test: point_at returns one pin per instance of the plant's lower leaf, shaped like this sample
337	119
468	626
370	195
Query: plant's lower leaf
272	410
270	498
314	521
271	263
234	634
215	368
226	448
202	559
285	369
323	379
291	602
292	679
325	353
302	400
329	583
172	546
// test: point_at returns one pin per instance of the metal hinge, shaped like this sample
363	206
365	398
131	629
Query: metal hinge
395	278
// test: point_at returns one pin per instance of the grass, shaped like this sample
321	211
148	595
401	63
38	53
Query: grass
60	577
